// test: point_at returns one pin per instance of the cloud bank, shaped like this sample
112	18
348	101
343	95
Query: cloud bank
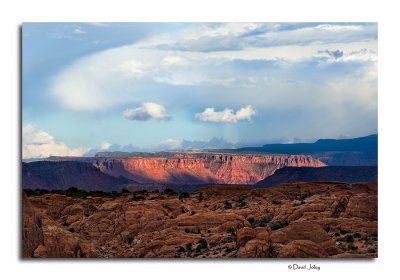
37	143
226	55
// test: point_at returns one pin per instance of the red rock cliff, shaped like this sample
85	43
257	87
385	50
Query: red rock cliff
202	168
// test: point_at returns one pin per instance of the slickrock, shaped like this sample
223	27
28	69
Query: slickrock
302	249
291	220
32	234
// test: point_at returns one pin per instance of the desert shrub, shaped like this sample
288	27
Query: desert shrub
349	238
231	230
228	250
184	195
343	231
251	220
129	239
198	249
279	224
181	249
195	231
227	205
169	191
276	202
71	230
305	195
138	197
187	230
189	246
357	235
203	243
371	250
125	191
213	244
351	247
265	219
364	238
200	197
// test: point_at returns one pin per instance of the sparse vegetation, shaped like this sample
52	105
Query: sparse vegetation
129	239
304	195
183	195
264	221
343	232
276	202
71	230
138	197
203	243
251	220
189	246
227	205
169	191
371	250
349	238
351	247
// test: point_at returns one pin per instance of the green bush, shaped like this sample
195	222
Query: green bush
276	202
305	195
184	195
169	191
251	220
371	250
71	230
189	246
129	239
349	238
138	197
351	247
203	243
227	205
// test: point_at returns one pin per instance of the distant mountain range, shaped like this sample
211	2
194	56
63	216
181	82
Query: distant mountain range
348	160
344	174
362	151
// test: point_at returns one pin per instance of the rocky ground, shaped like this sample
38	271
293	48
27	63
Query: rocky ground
328	220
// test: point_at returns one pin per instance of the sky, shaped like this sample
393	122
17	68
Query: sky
89	87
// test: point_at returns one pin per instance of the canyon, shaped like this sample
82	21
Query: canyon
201	168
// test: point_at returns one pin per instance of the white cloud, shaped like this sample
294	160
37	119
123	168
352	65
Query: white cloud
146	112
37	143
227	115
105	145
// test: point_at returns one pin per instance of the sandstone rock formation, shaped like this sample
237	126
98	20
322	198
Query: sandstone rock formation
292	220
